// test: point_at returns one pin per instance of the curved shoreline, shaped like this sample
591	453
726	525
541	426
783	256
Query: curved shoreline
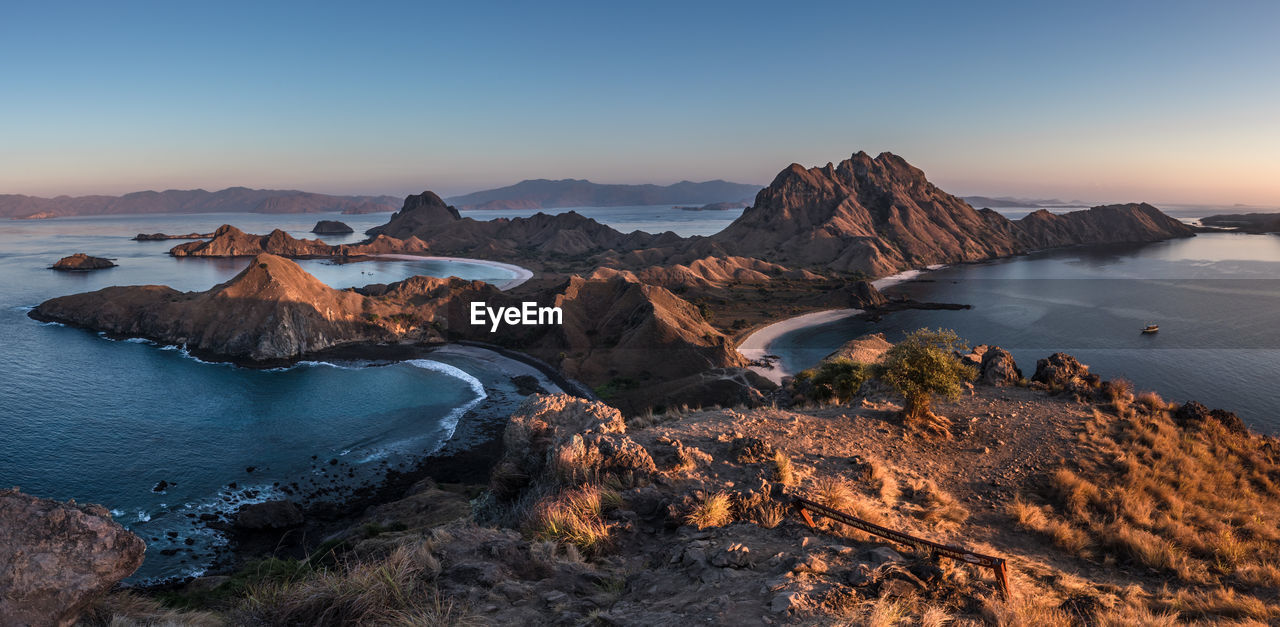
758	344
521	274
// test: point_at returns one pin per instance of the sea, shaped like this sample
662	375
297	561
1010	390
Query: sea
106	421
1215	297
103	421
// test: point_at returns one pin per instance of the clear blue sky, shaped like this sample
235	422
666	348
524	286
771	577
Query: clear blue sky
1159	101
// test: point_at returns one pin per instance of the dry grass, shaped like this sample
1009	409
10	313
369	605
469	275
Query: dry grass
575	517
711	510
126	609
1197	504
396	590
784	471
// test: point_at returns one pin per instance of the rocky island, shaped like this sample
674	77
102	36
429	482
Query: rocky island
331	227
81	262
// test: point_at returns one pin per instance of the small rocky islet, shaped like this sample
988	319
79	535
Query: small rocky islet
674	512
81	262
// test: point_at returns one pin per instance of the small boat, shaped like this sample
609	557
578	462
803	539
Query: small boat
1151	328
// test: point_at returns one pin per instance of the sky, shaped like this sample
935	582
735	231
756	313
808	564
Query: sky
1172	102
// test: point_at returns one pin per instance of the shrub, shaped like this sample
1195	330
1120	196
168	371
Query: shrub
838	379
924	364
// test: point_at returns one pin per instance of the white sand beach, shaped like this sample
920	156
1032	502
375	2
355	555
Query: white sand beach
756	345
521	274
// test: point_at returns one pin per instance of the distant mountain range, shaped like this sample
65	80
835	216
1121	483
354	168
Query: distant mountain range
230	200
544	193
1001	202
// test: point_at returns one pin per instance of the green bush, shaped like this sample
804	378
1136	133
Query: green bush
924	364
838	379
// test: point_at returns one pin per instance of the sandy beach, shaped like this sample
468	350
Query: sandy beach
756	345
521	274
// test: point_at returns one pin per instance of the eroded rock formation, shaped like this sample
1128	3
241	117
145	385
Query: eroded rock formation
57	557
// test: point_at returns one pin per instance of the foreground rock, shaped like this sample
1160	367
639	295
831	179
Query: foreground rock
998	368
57	557
331	227
80	262
1063	371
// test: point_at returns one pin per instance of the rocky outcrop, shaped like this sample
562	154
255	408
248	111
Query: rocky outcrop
228	241
881	215
331	227
58	557
1195	414
80	262
1063	371
552	441
866	349
998	368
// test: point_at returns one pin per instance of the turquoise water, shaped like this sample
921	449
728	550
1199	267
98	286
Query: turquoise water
1216	298
104	421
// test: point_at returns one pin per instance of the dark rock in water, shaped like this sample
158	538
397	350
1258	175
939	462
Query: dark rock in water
82	262
58	557
331	227
527	384
162	486
270	515
998	368
1192	414
1061	369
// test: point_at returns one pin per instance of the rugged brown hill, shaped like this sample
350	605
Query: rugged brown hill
271	310
881	215
228	241
1133	222
422	211
871	215
615	330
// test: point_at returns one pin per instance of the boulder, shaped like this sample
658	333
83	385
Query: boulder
57	557
1063	370
998	368
1192	413
81	262
331	227
268	516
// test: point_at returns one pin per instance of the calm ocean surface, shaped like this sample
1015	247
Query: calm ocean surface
1216	298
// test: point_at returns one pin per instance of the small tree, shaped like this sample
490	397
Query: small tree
924	364
839	379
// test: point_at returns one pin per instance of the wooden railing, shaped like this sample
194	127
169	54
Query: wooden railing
804	506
